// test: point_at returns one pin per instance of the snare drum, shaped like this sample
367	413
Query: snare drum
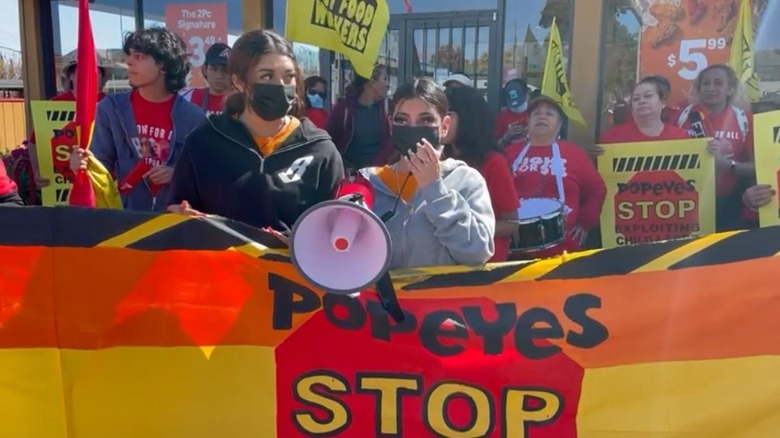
541	225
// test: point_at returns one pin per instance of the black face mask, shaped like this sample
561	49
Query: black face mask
405	138
272	101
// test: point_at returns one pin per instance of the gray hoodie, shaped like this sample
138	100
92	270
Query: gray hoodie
449	222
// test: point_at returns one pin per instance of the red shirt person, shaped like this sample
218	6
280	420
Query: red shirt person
512	120
469	139
715	93
315	101
215	70
68	79
545	168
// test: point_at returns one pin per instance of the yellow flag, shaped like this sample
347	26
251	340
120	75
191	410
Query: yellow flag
554	84
352	27
106	192
742	59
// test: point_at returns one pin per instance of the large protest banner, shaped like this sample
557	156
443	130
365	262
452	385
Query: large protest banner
56	135
200	25
657	191
354	28
767	152
119	324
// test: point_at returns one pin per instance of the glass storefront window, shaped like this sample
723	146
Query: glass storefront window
678	40
200	24
11	84
526	30
111	19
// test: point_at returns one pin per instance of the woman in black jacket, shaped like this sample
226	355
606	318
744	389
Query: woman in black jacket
257	162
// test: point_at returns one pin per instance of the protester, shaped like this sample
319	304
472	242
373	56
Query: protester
258	163
358	123
470	138
457	80
315	101
437	211
648	100
69	85
548	168
512	120
717	100
9	193
215	71
145	127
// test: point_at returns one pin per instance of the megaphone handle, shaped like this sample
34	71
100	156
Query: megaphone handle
386	292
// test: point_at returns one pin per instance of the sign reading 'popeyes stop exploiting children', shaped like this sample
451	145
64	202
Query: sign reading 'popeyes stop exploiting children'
200	25
657	191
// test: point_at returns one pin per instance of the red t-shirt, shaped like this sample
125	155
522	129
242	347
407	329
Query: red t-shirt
726	125
630	133
7	185
155	128
318	116
214	104
582	184
66	96
503	196
506	118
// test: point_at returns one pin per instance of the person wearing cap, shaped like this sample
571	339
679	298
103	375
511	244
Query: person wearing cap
512	120
68	81
543	166
457	80
215	70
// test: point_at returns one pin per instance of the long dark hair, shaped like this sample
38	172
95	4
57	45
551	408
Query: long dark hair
424	89
475	134
247	52
310	83
168	51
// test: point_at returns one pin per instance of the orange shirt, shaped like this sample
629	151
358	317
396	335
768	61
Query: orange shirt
394	181
267	145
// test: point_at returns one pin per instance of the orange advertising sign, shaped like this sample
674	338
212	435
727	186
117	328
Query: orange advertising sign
200	25
680	38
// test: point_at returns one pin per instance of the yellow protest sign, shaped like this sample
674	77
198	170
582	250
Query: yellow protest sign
352	27
55	136
767	152
554	83
657	191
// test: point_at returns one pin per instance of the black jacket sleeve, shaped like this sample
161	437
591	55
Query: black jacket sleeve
184	185
331	172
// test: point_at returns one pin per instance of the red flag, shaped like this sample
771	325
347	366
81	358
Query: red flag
82	194
408	4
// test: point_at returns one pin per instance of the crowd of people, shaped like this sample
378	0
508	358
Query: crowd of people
453	184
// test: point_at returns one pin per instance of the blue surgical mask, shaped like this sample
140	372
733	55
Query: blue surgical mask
520	109
316	100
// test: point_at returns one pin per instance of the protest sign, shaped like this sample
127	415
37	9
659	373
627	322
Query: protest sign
767	152
142	325
200	25
657	191
55	136
354	28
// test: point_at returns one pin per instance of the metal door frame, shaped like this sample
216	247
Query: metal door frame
406	23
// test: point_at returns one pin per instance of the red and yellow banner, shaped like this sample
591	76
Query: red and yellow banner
169	326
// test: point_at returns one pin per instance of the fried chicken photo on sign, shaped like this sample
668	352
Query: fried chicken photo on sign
696	10
726	13
666	11
663	34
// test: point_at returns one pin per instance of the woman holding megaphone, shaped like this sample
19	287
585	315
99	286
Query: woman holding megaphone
438	212
257	162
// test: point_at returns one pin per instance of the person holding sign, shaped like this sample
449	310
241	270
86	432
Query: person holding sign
470	139
257	162
648	100
560	189
715	112
138	134
437	211
215	71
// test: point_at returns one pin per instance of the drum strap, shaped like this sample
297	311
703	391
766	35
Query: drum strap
557	167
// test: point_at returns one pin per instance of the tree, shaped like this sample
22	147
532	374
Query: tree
10	68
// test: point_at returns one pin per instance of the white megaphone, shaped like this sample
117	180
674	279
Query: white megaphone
341	246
